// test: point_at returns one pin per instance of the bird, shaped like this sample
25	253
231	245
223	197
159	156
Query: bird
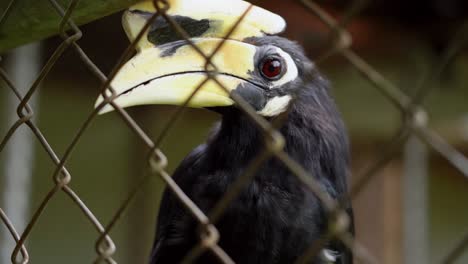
275	218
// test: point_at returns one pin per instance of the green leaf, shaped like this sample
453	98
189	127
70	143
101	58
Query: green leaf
32	20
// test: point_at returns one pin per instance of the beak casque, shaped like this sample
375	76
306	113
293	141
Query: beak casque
169	72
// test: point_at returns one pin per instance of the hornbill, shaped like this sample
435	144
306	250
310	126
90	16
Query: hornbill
275	218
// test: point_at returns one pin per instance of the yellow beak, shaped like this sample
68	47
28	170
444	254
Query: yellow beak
167	70
153	77
221	16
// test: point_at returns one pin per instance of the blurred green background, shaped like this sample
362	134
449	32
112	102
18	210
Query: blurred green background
110	159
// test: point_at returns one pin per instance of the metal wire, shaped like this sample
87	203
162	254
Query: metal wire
414	121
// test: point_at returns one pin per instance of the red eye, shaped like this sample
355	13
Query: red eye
272	68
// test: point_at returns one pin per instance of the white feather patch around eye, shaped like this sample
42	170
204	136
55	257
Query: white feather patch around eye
329	255
291	69
275	106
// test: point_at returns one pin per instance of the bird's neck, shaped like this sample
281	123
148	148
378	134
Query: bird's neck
314	137
238	139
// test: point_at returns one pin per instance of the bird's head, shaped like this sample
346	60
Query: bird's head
265	70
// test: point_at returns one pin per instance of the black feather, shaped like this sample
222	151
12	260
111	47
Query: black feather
275	218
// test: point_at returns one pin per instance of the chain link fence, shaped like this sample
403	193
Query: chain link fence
414	123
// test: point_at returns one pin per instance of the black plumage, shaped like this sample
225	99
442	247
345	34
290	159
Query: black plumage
275	218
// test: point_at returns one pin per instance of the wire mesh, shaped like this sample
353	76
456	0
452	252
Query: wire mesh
414	122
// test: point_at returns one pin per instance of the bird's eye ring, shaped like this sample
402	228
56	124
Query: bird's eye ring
272	68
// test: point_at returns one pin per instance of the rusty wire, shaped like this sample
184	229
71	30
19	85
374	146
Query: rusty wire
414	121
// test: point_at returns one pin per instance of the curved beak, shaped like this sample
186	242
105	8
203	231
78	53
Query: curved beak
166	70
170	73
201	19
